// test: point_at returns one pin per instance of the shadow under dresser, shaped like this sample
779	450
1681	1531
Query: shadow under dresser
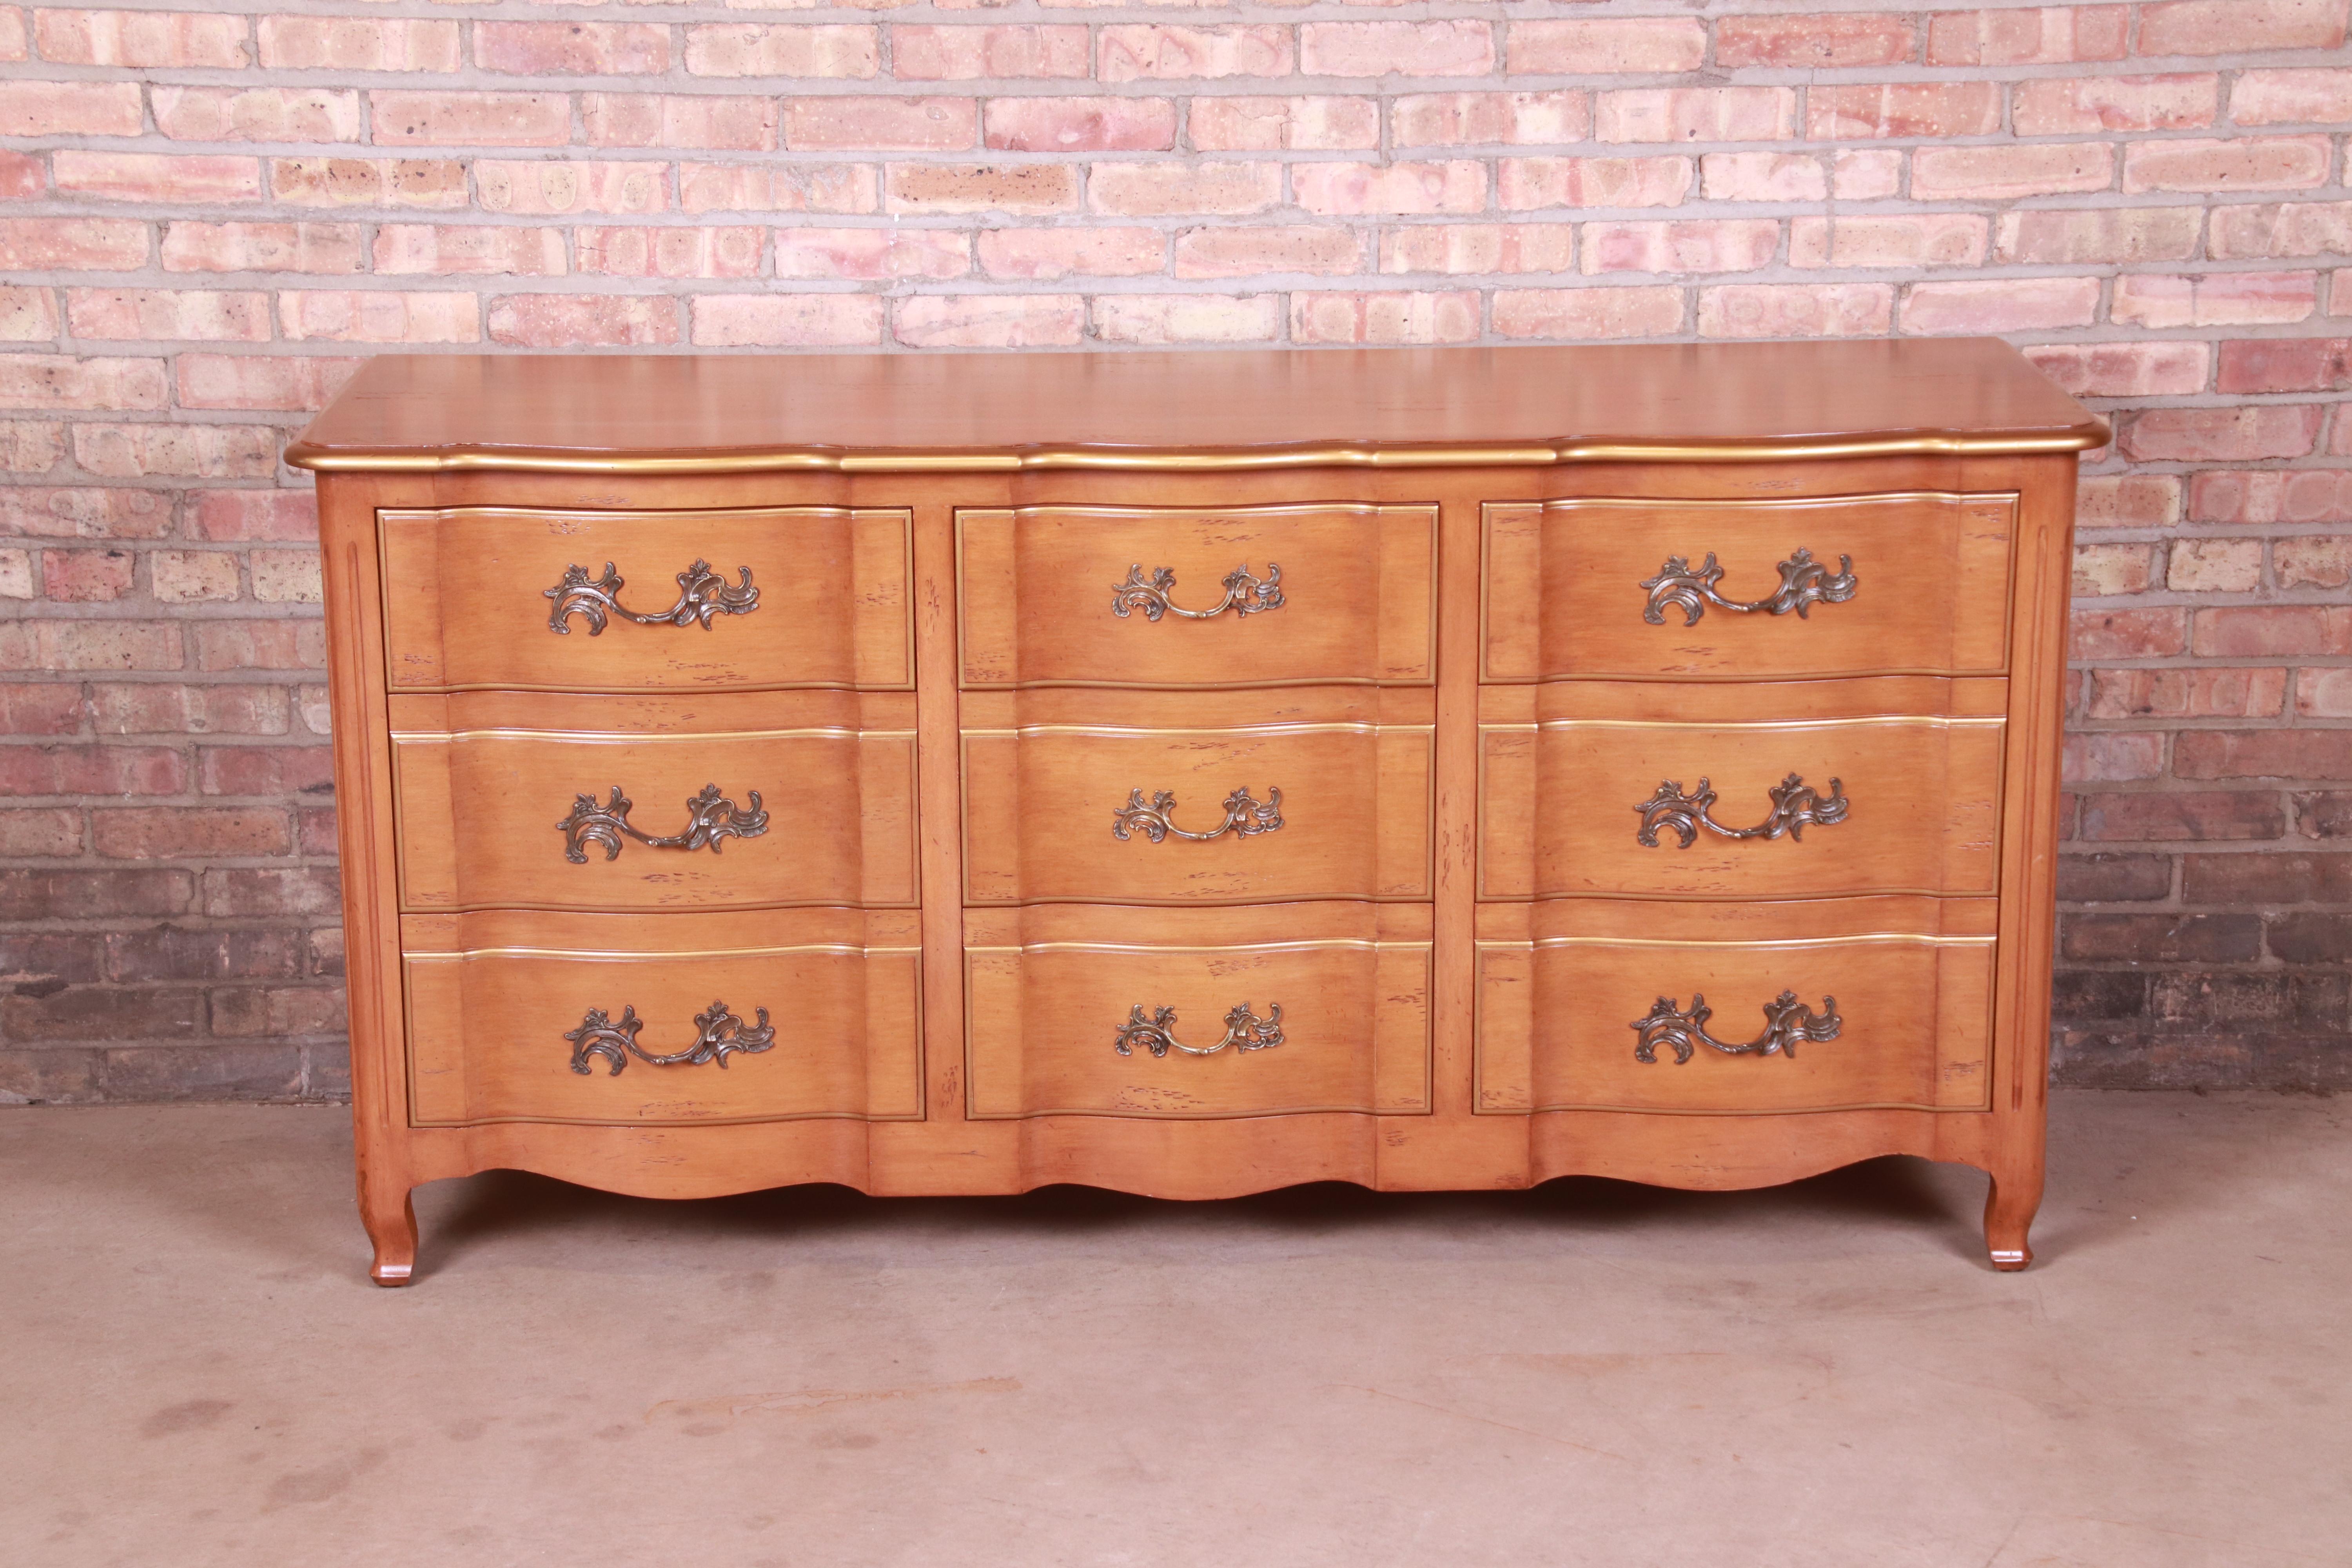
1198	773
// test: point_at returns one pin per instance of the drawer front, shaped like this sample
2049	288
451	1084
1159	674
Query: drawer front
1655	809
1615	588
1175	597
1094	814
1613	1022
513	596
561	1025
655	820
1287	1026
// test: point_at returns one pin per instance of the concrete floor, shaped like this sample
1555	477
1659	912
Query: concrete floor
1592	1373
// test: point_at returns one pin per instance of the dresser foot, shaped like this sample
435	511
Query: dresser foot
390	1221
2010	1207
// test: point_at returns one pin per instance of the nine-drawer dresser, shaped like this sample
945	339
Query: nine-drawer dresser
1198	773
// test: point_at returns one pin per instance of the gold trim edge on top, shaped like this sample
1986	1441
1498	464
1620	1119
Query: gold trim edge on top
304	454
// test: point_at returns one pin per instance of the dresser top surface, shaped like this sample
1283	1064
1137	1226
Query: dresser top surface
1263	408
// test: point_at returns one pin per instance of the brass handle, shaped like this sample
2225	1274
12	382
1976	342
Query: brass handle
1244	1031
1796	806
1786	1021
716	1033
1243	816
702	593
1244	595
1805	583
710	817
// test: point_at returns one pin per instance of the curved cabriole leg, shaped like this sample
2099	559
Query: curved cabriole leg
390	1221
2010	1207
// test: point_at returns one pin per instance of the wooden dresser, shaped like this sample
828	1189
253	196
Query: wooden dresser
1198	773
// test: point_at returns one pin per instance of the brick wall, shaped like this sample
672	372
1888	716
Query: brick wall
206	217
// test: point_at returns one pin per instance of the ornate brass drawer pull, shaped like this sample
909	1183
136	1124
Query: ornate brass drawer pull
1244	1031
1243	816
1805	583
1244	595
1796	806
702	593
710	817
1786	1021
716	1033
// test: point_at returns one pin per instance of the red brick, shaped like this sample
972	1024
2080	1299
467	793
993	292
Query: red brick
1695	114
2124	370
2223	434
74	513
2273	631
1047	253
2003	172
1304	123
2266	880
779	188
1385	317
2292	98
262	891
522	188
670	252
2245	164
1079	124
787	321
296	385
1187	318
81	895
83	576
294	42
2213	299
2285	364
989	320
1456	47
2112	757
2128	500
753	49
2326	694
1588	313
1598	46
1359	189
259	645
679	120
871	253
1158	52
15	43
69	109
2128	633
2310	562
1763	177
27	315
193	576
92	645
2174	816
1795	309
2321	814
141	40
22	177
367	182
1472	247
1923	240
379	316
51	833
40	708
833	124
1251	252
161	177
257	514
2214	566
264	770
404	118
1832	41
2062	106
437	248
582	321
2000	304
968	54
1526	183
190	832
168	314
572	48
2211	693
2240	26
1681	245
1188	189
2272	495
1506	119
2305	753
2048	35
66	381
1024	188
1924	109
79	245
256	113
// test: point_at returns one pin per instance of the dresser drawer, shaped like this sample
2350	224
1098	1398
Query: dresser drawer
1647	790
1597	1005
1210	811
1611	587
559	801
1172	597
1196	1015
518	1018
754	598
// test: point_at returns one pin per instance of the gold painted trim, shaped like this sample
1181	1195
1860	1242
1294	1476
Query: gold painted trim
302	454
1306	944
1935	722
649	737
1145	731
598	956
1915	939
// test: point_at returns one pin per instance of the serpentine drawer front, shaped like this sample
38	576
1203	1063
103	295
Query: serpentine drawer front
1198	773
